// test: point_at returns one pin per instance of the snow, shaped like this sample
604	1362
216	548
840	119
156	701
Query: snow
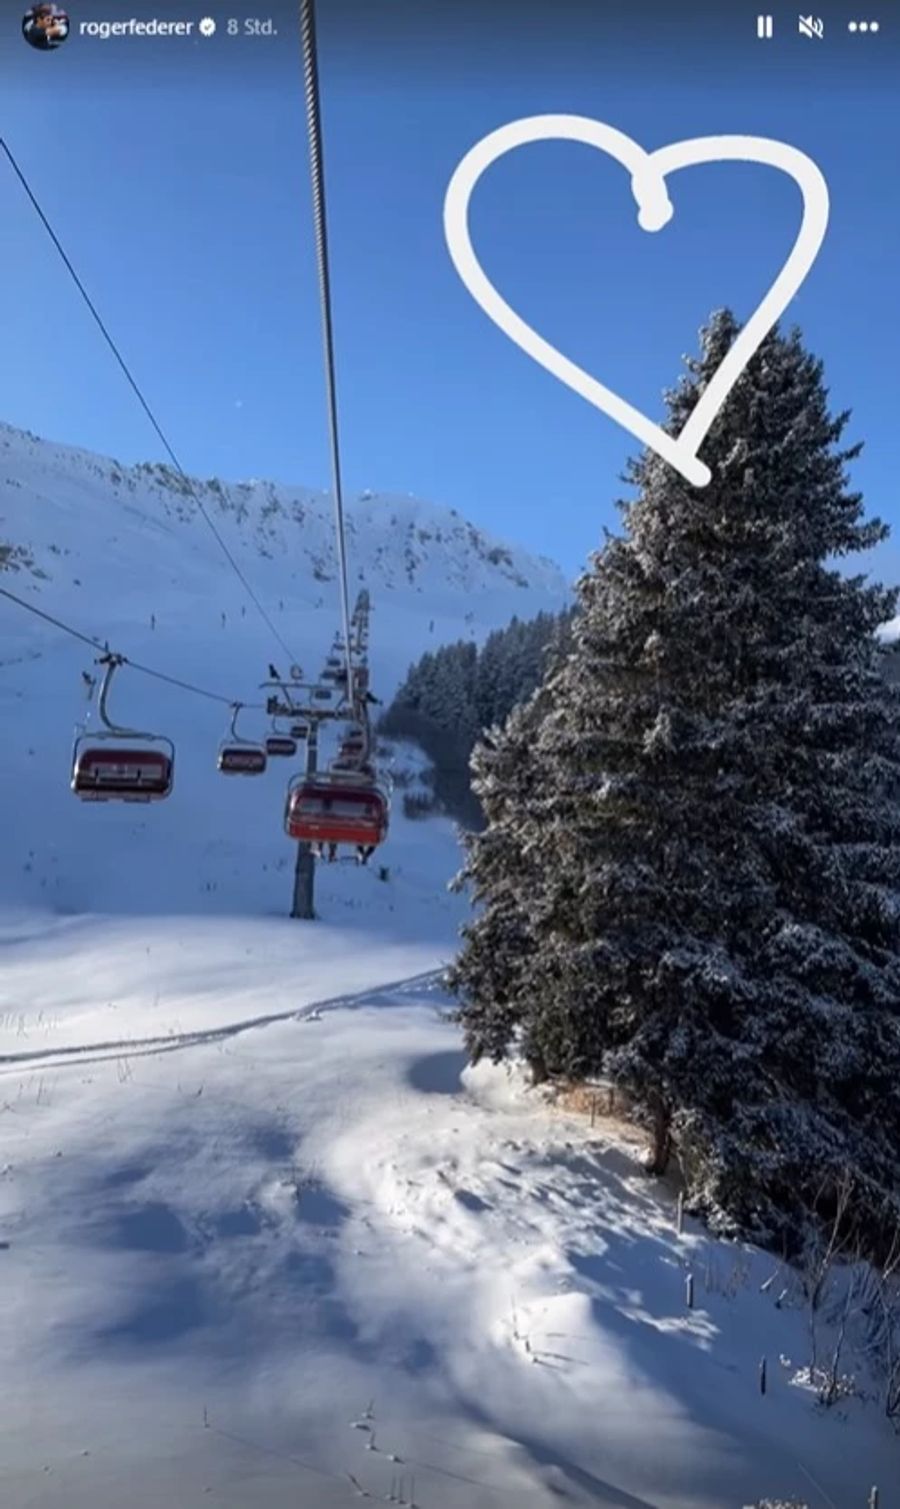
219	1199
264	1238
117	545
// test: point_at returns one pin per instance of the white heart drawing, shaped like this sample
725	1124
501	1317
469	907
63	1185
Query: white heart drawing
649	171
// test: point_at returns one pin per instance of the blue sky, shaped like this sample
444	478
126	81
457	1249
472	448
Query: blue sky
176	174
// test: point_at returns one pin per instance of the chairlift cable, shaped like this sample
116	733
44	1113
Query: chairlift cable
98	320
187	686
56	622
317	175
135	665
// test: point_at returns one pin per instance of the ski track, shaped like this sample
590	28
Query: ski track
61	1058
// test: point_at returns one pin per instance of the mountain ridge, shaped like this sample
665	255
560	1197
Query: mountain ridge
393	539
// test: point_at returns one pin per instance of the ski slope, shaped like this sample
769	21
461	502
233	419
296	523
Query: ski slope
249	1193
107	549
264	1239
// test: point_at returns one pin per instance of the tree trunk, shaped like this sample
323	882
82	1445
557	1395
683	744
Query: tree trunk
538	1069
661	1150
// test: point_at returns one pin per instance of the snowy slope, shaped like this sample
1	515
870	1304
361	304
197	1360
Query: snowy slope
263	1239
82	516
104	548
233	1220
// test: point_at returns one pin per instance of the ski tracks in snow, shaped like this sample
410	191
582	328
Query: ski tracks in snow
392	993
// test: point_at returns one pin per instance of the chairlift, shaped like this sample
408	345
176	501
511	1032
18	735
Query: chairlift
239	756
299	730
120	764
281	745
346	768
320	809
352	747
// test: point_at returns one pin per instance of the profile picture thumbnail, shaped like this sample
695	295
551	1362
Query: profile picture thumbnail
45	26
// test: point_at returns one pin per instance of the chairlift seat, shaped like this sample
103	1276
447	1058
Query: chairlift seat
325	811
242	759
120	770
281	745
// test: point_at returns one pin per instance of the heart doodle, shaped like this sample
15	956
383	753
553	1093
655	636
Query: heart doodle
649	171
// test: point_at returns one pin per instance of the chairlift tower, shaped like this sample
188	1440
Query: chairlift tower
303	905
285	702
302	701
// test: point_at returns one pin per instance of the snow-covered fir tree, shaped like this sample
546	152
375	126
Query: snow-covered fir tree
450	695
689	877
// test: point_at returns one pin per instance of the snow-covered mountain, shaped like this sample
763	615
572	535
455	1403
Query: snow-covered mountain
80	518
263	1238
126	556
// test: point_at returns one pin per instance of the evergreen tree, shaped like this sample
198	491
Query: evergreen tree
698	872
452	694
500	951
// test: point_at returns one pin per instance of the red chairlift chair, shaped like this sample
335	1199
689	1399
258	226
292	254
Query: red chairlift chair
321	810
280	744
239	756
120	764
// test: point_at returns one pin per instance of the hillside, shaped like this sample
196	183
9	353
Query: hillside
264	1239
59	506
111	550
